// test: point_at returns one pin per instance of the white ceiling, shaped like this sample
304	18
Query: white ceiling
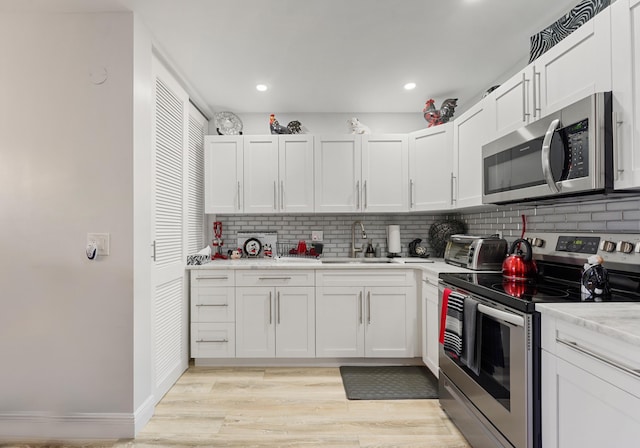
335	55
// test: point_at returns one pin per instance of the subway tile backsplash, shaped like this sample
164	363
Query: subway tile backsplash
614	215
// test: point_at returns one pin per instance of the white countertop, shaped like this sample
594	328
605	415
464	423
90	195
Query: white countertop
618	320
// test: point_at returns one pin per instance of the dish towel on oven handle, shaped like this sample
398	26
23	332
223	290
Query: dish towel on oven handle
458	324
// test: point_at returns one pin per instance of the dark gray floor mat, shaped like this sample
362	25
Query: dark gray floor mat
388	382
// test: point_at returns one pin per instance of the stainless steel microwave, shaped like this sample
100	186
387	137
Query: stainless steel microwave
565	154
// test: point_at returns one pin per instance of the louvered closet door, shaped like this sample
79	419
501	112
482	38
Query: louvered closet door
169	307
195	181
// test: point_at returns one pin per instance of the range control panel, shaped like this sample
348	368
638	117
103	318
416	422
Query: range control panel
578	244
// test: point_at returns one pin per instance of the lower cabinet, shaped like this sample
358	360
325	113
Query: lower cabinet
589	397
275	322
431	322
365	321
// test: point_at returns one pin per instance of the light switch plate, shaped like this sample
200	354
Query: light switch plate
102	241
317	235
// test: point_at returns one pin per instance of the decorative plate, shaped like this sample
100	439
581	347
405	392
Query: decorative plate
228	123
252	247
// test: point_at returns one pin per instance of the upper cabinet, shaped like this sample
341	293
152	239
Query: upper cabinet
261	186
295	160
385	173
431	168
571	70
626	92
338	174
223	178
471	130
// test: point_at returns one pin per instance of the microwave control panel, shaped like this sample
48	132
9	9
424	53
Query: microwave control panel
577	138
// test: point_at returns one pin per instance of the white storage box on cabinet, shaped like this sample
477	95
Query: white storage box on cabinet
590	387
275	314
212	314
357	317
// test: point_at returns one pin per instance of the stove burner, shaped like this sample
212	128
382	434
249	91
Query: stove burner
529	289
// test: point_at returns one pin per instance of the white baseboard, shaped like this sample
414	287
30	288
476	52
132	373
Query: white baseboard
50	426
304	362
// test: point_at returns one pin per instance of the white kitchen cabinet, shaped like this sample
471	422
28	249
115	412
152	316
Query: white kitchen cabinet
626	92
354	320
385	173
471	130
212	301
430	168
278	173
431	322
338	173
223	168
275	314
589	397
574	68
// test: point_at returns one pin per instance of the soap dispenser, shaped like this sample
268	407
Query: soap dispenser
370	252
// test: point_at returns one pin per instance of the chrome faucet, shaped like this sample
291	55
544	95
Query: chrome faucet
354	249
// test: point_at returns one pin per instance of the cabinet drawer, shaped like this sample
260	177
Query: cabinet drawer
213	340
212	277
368	277
270	277
213	304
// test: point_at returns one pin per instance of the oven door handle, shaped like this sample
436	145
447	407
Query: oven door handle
501	315
546	156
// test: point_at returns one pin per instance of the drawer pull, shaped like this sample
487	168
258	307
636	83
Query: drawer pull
575	346
212	304
212	340
274	278
220	277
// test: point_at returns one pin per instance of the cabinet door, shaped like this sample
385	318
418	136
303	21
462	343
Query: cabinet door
511	102
295	322
385	173
223	175
261	174
338	174
389	322
471	131
431	326
583	410
296	173
255	320
575	68
626	92
431	168
339	322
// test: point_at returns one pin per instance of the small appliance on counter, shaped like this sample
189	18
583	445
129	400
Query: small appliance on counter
394	249
480	253
257	244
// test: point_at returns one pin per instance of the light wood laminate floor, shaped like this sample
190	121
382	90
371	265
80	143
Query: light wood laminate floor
282	407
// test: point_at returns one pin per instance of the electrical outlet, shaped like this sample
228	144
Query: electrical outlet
102	241
317	235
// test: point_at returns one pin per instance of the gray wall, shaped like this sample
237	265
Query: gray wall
619	215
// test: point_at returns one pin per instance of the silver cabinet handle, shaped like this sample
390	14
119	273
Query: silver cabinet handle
537	94
281	195
501	315
358	194
368	307
546	156
411	187
360	307
270	308
617	162
275	195
525	113
153	254
212	304
600	357
238	195
219	277
366	202
274	278
452	184
278	307
212	340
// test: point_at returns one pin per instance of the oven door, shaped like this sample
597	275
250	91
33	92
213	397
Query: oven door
501	389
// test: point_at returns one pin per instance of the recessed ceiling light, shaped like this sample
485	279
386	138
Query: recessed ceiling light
261	88
410	86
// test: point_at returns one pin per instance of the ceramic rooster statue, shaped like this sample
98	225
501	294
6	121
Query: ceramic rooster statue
294	127
435	117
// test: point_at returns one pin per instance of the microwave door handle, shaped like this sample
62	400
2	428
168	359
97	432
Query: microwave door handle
502	315
546	156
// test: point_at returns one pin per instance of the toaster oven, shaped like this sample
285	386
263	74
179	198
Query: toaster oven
480	253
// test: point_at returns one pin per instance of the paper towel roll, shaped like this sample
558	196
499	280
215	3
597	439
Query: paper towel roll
393	239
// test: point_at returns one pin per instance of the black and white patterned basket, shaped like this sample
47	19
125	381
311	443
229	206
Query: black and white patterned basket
193	260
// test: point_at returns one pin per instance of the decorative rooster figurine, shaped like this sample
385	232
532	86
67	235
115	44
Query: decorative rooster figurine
277	128
435	117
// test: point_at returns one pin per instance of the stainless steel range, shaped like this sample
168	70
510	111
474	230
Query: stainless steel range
490	331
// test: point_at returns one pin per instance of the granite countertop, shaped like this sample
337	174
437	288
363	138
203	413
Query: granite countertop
618	320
